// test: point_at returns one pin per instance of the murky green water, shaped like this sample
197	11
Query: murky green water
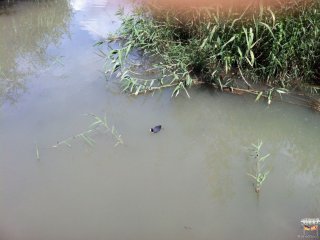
187	182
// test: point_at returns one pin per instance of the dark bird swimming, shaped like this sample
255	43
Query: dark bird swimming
155	129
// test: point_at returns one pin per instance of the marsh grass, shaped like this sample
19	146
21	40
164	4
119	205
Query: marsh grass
259	174
229	49
99	124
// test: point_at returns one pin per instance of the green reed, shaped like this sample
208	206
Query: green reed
259	174
227	48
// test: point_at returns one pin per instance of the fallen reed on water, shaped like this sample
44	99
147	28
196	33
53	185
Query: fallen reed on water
98	124
277	46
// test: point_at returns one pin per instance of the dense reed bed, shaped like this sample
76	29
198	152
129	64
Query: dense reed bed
230	48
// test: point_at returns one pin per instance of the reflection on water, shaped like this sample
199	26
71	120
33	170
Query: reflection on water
97	16
187	182
27	29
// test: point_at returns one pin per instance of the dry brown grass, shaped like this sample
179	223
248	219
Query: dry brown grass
183	4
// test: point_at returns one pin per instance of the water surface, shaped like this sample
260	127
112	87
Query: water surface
187	182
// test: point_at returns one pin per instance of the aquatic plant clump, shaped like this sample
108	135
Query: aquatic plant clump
277	45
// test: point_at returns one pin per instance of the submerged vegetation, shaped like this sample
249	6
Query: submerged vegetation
233	49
